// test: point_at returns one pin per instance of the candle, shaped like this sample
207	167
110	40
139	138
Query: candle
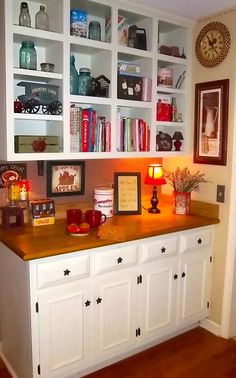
23	194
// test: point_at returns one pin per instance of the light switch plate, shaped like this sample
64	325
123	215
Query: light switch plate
220	193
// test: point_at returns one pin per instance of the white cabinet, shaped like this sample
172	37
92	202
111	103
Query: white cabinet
195	275
102	57
194	286
64	321
159	304
115	313
87	308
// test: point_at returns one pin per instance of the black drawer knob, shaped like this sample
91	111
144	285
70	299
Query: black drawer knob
119	260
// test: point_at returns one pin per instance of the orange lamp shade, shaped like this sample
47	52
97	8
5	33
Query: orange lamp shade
155	175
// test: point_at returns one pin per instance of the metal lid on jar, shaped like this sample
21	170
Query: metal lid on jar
84	70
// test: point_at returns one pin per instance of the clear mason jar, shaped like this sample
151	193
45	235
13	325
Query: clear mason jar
28	56
85	82
95	30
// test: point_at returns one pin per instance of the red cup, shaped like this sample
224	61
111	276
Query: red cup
95	218
74	216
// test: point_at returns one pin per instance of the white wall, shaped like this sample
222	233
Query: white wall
215	174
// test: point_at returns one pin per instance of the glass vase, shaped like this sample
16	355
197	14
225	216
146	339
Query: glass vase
181	203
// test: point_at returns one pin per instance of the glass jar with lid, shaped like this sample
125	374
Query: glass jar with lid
28	56
24	17
85	82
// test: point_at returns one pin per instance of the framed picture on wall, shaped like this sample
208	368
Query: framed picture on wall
127	192
65	178
211	122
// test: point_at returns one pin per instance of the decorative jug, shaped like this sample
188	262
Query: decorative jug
211	116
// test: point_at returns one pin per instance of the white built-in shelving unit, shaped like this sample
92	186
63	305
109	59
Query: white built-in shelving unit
101	57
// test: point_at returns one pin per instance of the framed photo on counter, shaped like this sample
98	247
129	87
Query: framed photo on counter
127	193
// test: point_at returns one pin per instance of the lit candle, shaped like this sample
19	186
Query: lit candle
23	194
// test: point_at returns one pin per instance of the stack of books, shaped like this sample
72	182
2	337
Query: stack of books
88	131
133	134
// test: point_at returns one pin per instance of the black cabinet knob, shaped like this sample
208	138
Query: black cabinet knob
175	276
99	300
66	272
163	249
87	303
119	260
199	241
183	274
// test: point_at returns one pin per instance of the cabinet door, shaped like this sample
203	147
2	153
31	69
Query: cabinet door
194	286
115	308
160	283
64	324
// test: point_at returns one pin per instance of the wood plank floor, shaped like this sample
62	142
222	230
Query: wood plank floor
195	354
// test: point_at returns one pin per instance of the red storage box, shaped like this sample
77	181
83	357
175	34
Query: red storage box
164	108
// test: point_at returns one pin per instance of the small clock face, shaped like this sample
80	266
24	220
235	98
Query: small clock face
212	44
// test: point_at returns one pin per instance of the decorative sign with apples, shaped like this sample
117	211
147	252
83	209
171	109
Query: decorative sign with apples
65	178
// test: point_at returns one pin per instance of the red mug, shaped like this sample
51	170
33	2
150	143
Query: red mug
74	216
95	218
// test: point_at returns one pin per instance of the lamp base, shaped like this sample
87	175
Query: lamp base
152	210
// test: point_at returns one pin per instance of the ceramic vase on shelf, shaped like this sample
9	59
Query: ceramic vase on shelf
181	202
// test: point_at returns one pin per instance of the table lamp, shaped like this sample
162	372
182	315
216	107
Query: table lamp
177	137
154	177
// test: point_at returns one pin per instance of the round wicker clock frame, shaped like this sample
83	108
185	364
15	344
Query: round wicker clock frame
213	61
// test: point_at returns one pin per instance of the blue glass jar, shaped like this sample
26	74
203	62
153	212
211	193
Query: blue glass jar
28	56
85	82
74	77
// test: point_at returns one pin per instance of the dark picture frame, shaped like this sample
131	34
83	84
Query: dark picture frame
65	178
211	122
127	193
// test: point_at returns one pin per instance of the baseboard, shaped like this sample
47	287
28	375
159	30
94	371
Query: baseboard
211	326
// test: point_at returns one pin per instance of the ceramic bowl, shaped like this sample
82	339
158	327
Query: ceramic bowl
48	67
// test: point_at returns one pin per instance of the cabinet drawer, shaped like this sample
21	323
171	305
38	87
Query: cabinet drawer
115	259
159	248
68	269
195	240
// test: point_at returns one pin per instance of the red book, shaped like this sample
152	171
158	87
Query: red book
85	129
108	137
141	135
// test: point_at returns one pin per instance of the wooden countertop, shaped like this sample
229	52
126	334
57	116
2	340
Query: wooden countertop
30	242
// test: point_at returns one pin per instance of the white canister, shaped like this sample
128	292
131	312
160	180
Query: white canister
103	200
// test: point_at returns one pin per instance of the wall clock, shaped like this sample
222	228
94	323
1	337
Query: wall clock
212	44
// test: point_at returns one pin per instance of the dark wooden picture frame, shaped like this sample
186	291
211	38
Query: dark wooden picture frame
127	193
211	122
65	178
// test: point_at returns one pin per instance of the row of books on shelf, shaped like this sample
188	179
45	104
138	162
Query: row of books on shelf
88	131
133	134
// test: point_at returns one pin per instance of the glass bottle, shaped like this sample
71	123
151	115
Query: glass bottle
13	193
28	56
74	77
41	19
24	17
95	30
85	82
